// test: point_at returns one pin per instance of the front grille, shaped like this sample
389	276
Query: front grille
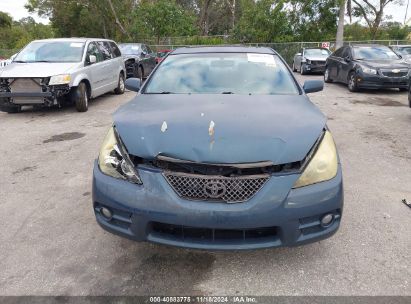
216	188
319	63
395	73
26	85
209	235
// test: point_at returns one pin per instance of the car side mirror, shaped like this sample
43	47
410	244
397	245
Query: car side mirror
312	86
143	54
92	59
133	84
347	59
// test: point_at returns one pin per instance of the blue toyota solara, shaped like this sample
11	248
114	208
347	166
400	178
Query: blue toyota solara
220	149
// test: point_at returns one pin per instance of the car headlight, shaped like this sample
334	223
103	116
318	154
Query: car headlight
323	165
114	160
60	79
369	71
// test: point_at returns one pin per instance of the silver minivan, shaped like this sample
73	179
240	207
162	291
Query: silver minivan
52	72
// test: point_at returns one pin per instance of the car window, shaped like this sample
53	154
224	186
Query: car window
316	52
52	51
374	53
144	48
404	50
149	50
338	52
222	73
93	50
105	49
346	52
116	51
130	49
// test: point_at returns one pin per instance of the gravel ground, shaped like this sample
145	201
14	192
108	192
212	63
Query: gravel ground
50	243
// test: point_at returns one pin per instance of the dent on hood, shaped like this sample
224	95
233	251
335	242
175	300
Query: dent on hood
220	129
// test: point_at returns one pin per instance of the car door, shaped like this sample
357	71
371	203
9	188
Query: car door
110	75
151	58
345	66
95	71
332	63
297	60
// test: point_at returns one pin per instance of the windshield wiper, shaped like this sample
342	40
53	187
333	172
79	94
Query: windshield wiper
228	92
20	61
164	92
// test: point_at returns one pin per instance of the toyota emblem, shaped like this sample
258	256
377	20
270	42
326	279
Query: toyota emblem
215	189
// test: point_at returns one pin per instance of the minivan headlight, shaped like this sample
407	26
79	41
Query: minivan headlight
60	79
114	160
323	165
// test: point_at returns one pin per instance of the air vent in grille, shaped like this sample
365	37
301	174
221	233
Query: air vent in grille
216	188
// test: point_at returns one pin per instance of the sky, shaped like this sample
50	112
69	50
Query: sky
16	9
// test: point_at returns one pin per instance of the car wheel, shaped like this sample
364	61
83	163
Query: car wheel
294	69
403	89
79	97
352	83
302	69
121	87
10	109
327	77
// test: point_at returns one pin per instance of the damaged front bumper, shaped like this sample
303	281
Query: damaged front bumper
274	217
31	91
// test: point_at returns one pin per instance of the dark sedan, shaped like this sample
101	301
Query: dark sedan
220	149
367	67
139	59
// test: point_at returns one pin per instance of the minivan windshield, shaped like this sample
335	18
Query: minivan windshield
130	49
222	73
374	53
316	52
51	51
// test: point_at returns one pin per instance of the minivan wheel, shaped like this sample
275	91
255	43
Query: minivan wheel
10	109
121	87
327	78
79	97
352	83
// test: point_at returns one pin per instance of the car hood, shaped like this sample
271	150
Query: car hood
384	64
36	69
220	128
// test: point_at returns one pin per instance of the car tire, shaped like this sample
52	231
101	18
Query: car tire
302	69
352	83
327	77
80	97
294	69
409	97
11	109
121	87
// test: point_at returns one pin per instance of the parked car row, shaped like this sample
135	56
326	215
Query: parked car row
359	66
53	72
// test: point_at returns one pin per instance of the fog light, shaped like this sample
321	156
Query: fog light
106	213
327	220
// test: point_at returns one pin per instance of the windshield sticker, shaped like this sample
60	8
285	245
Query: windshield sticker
261	58
76	44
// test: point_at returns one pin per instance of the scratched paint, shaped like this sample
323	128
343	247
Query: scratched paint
211	128
164	127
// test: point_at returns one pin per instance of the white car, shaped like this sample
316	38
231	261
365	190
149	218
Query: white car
53	71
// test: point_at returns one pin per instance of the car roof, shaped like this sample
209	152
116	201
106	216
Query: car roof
131	43
73	39
223	49
368	45
400	45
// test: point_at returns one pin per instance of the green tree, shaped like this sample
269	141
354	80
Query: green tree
263	21
162	18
